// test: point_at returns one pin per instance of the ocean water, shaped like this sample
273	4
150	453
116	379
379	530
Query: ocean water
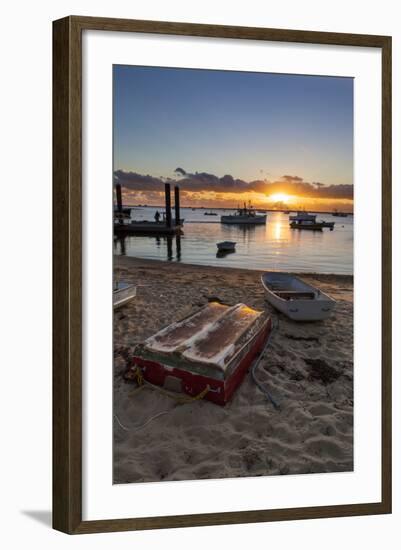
274	246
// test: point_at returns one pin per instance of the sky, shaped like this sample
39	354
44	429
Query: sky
228	136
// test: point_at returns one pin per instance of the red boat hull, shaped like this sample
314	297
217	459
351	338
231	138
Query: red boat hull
221	391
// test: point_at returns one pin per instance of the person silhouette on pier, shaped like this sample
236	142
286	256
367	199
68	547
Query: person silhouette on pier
157	216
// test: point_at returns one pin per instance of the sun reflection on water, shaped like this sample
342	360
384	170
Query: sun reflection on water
277	230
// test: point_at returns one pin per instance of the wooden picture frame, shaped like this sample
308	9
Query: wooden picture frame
67	274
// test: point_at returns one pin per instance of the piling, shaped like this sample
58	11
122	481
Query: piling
178	245
169	247
168	204
119	198
177	205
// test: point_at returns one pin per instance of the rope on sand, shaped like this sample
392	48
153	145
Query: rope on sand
181	400
142	425
255	365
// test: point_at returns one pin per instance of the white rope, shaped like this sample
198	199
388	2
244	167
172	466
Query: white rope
142	425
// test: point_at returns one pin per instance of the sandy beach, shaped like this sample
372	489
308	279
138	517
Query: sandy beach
308	369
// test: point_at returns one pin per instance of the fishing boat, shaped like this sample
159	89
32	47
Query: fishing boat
306	224
210	213
330	225
226	246
296	299
299	222
122	294
301	216
246	215
312	226
206	354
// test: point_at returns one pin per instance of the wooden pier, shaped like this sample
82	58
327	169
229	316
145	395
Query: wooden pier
146	227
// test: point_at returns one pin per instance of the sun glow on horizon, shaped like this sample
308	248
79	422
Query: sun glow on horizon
280	197
209	199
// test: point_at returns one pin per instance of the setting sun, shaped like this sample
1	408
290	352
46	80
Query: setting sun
280	197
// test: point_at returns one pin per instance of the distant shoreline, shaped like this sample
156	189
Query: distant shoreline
162	206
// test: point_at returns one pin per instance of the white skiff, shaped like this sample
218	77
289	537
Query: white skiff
122	294
295	298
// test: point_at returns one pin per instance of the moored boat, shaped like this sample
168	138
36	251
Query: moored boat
301	215
122	294
300	222
246	215
226	246
312	226
296	299
330	225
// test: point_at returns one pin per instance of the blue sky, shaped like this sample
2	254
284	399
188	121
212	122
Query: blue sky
249	125
234	123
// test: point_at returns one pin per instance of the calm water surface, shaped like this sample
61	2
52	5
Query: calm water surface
272	246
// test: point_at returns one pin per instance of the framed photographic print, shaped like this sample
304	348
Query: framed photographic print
222	274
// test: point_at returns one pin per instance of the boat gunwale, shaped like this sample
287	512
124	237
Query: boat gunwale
319	297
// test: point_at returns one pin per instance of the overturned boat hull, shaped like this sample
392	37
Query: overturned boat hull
207	353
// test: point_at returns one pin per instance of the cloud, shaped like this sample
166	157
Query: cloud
292	178
138	182
199	182
180	171
343	191
203	181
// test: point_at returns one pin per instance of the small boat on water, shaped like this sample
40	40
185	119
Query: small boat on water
302	216
339	214
309	222
312	226
246	215
330	225
296	299
210	213
226	246
122	294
